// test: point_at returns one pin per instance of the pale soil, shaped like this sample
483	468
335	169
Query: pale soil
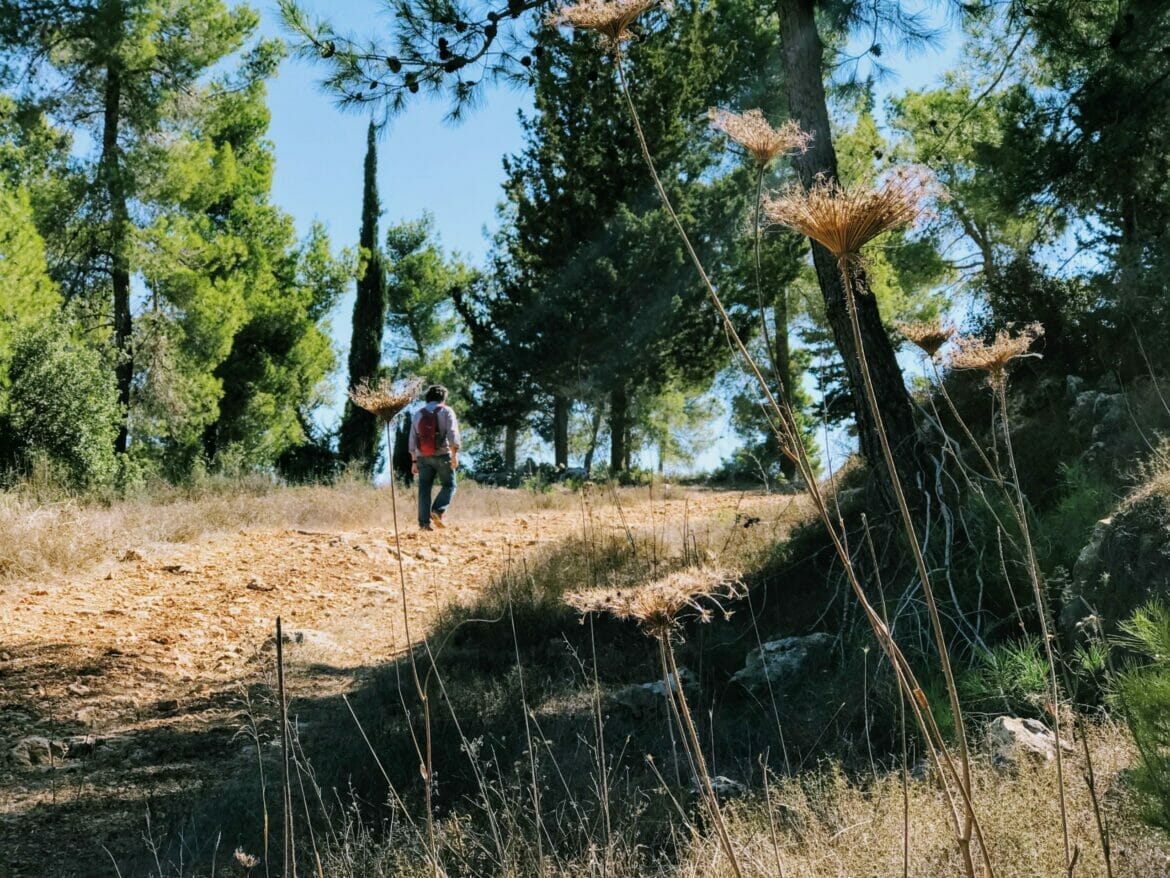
150	653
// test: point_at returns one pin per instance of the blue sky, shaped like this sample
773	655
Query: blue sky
425	163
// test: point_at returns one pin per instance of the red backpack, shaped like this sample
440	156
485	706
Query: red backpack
428	432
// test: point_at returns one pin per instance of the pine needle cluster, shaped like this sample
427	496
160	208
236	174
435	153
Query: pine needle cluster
662	605
384	400
929	336
610	18
752	131
846	219
993	357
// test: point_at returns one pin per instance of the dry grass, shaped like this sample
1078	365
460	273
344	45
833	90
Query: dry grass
42	536
831	828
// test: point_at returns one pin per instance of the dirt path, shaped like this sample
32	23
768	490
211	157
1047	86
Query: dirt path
124	687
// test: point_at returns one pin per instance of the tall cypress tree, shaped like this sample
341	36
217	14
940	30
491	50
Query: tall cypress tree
359	429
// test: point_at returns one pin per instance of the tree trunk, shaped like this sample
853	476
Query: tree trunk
401	462
783	366
111	172
804	81
594	429
617	429
510	432
561	431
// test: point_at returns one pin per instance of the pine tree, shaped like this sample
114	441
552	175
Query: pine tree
127	62
359	436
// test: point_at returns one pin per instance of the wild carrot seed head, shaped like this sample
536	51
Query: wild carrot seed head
929	336
383	399
610	18
845	220
752	131
661	606
993	357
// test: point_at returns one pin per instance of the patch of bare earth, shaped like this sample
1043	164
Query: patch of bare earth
123	690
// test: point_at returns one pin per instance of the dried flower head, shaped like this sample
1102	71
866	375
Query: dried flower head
752	131
246	861
929	336
993	357
660	606
845	220
384	400
610	18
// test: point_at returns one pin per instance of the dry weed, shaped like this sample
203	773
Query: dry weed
752	131
610	18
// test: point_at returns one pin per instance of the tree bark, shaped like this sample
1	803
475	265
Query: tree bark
561	431
803	54
594	429
618	405
510	432
111	171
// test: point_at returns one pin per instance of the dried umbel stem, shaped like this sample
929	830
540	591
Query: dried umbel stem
384	400
928	336
611	19
993	357
845	220
661	606
752	131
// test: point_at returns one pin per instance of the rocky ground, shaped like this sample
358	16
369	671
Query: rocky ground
123	691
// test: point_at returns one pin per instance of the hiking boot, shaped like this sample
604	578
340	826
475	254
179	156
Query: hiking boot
425	527
437	520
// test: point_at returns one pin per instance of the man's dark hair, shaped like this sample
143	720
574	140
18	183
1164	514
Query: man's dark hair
436	393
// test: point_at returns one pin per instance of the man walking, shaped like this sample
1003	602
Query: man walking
434	448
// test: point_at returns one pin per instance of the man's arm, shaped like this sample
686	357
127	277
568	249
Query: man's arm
412	446
453	442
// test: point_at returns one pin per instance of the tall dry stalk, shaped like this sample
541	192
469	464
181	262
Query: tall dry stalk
386	401
658	609
290	857
614	29
993	358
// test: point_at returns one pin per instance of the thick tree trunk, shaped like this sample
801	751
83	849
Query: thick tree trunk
618	405
561	431
510	432
783	365
111	171
804	82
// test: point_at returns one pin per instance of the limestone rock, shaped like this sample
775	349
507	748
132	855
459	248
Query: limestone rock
1124	565
784	661
36	750
641	698
1013	740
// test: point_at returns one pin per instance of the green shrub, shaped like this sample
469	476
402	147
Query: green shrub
1011	678
62	407
1144	692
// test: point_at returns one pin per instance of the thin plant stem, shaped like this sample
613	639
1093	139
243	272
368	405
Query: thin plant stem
1042	611
919	558
788	435
428	765
290	861
772	820
690	733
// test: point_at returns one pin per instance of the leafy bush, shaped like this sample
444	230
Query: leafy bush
1144	692
62	407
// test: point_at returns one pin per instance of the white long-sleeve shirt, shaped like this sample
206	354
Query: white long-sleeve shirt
447	435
